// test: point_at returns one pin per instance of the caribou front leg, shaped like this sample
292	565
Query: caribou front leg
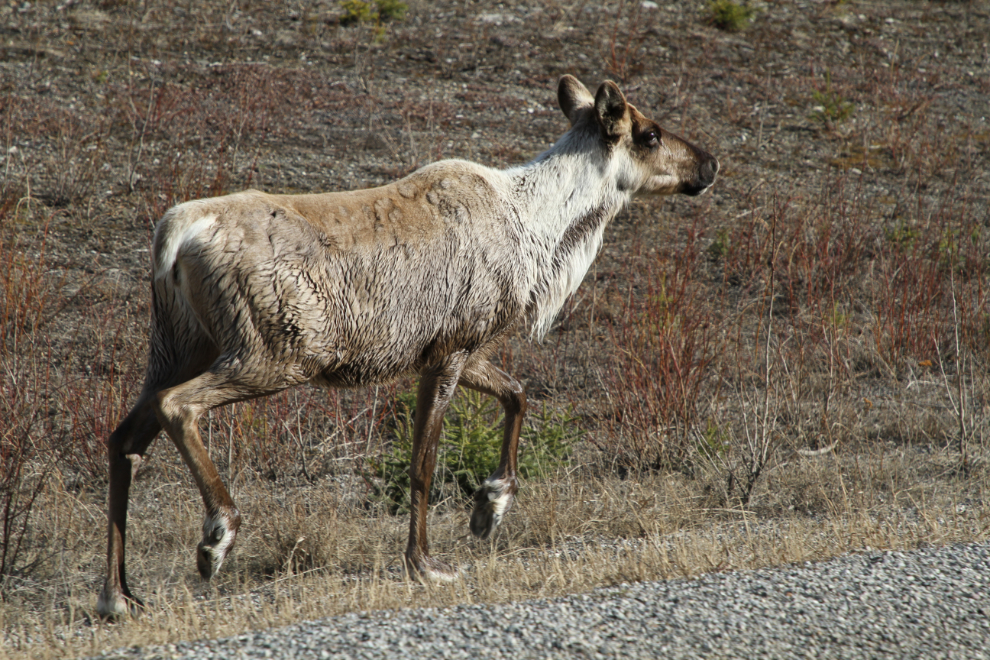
179	410
436	388
494	497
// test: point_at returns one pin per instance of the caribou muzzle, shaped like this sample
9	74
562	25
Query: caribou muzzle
707	169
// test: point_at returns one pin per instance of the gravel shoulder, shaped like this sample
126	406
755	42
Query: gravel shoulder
930	603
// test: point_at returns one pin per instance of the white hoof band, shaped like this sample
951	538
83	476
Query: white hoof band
115	606
218	537
492	500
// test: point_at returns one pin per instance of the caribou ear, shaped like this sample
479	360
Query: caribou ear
573	97
612	110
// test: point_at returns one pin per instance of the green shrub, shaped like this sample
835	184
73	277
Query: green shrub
391	10
832	107
729	15
377	11
355	11
469	448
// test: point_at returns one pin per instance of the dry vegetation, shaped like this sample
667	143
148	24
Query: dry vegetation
792	367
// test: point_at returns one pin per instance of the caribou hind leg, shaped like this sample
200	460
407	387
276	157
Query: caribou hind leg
436	388
494	497
125	448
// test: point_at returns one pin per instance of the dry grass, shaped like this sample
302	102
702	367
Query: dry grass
307	552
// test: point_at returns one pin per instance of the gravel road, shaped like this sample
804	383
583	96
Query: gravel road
931	603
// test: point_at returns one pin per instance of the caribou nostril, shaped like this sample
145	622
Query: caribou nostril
708	170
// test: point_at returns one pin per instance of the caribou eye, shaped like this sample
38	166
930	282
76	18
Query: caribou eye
651	139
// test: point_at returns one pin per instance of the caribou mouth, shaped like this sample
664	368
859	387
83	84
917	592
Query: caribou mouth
706	178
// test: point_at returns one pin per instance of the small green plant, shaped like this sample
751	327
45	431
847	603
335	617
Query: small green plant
729	15
713	441
719	247
391	10
838	319
902	236
469	449
952	247
830	106
376	11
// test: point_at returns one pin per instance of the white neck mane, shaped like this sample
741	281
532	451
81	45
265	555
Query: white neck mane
566	197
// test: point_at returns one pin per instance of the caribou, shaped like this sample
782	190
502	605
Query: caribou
254	293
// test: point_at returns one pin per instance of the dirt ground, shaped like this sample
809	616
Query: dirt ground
828	295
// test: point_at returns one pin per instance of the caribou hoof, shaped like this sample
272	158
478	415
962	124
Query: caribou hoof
219	532
491	501
114	604
428	569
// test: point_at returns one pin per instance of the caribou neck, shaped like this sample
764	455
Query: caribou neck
565	198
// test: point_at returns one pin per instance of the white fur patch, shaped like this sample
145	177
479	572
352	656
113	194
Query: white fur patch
222	547
500	505
449	575
500	498
430	569
560	188
178	230
569	280
113	605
